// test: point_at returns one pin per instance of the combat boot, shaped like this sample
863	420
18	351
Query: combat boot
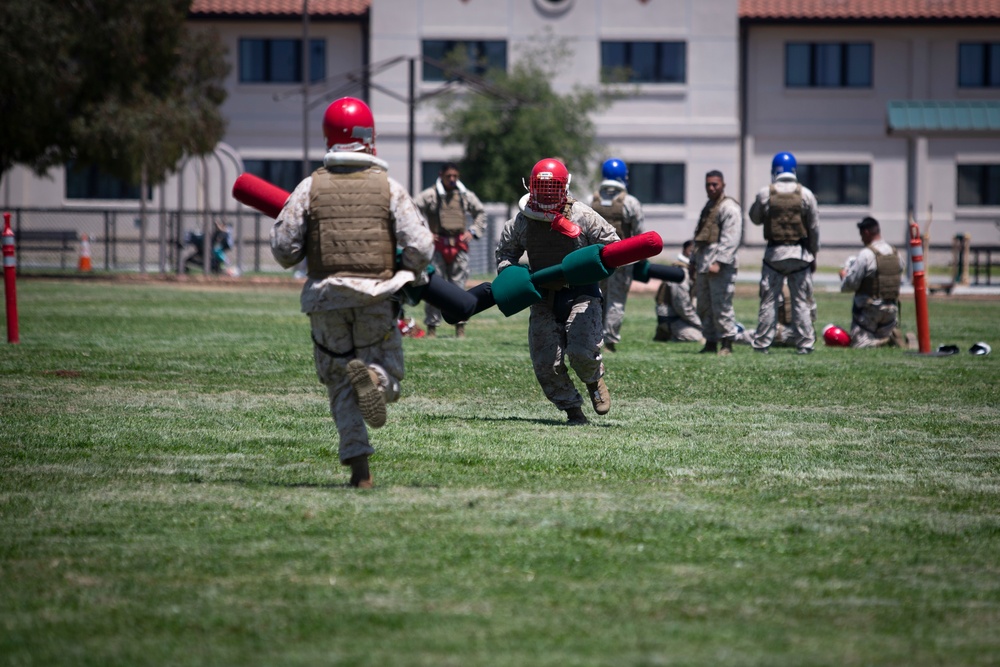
371	399
711	347
459	331
575	417
600	397
432	331
361	476
727	347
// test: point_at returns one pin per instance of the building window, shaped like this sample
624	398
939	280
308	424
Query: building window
810	65
979	185
429	172
656	183
286	174
979	65
88	182
644	62
280	60
472	57
837	184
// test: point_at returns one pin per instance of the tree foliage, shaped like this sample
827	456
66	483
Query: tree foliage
518	120
119	84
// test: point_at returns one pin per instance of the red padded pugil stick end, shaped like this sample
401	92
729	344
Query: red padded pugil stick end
257	193
626	251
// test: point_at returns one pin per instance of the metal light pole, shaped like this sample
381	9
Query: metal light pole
305	88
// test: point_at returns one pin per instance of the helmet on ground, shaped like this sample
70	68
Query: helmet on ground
980	349
548	185
614	169
348	125
783	163
834	336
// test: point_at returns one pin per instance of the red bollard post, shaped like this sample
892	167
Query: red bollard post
919	288
9	279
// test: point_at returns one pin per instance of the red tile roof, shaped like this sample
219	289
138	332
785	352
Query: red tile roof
279	8
854	10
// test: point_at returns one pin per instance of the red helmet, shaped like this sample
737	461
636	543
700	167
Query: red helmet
548	185
348	125
834	336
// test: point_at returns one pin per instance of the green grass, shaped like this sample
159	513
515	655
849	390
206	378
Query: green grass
170	494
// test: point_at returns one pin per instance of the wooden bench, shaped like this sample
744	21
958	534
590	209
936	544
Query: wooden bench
62	241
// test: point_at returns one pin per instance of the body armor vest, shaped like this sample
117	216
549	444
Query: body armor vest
349	227
448	217
546	247
615	213
884	283
783	224
708	229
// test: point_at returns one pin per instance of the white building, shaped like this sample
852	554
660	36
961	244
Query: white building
720	84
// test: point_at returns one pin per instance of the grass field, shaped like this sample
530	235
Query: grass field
170	495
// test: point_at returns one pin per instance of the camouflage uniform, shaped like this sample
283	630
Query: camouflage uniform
615	289
874	320
787	261
567	326
714	291
431	202
677	319
352	317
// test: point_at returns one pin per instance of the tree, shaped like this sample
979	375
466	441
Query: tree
506	134
117	84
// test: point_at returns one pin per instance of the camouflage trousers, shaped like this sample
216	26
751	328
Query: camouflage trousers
800	288
677	331
576	342
873	325
615	290
456	273
369	334
714	294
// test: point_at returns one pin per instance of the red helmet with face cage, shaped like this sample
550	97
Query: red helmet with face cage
548	185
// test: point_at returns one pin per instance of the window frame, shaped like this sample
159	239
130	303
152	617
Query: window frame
94	180
807	176
659	60
986	196
989	64
661	178
317	60
814	61
480	65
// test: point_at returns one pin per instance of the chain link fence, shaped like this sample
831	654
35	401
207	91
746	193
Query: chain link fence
51	239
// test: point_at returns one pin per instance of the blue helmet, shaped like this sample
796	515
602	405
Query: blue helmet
614	169
783	163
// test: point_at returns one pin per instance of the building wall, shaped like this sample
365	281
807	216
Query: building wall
695	123
844	125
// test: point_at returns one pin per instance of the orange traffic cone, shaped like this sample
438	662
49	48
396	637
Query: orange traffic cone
84	263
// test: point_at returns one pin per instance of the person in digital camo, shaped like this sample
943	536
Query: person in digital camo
348	219
614	203
449	206
787	210
566	328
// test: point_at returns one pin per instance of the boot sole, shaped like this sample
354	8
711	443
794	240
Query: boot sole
370	399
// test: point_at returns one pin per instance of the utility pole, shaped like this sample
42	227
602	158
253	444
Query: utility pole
306	71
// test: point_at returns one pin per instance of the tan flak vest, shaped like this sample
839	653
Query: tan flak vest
448	217
615	213
546	247
708	230
349	229
884	283
784	225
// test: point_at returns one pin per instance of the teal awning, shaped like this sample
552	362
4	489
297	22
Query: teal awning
919	117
